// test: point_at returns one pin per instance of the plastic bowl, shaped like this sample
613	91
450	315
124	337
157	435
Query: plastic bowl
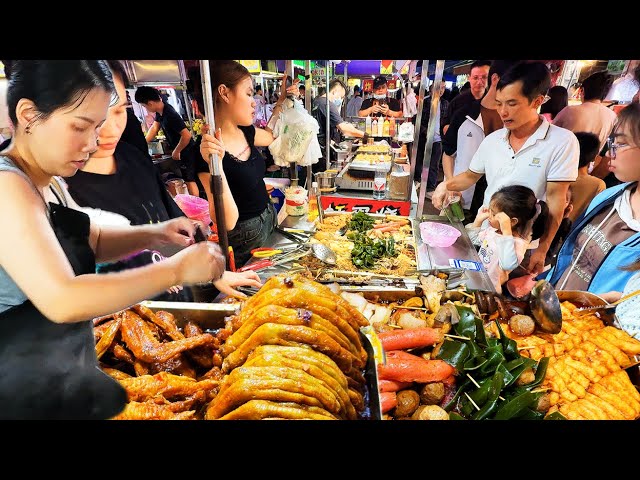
437	234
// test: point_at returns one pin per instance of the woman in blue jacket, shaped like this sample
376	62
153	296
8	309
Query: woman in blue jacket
607	237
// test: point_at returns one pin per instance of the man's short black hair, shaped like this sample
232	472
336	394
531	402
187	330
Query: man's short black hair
356	88
500	66
480	63
535	78
146	94
379	81
589	147
596	85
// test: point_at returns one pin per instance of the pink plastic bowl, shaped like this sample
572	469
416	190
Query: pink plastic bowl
437	234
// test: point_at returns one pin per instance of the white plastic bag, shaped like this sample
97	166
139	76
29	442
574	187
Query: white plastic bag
294	131
406	132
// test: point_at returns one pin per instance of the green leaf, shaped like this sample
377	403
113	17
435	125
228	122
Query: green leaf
509	346
541	371
455	416
515	407
454	353
552	416
466	327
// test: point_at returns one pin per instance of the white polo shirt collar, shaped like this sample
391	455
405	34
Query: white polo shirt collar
540	134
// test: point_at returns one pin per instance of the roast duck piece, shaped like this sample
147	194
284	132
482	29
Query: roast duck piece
294	352
489	303
168	373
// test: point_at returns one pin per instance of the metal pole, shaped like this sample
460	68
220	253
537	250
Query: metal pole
214	167
185	98
307	104
293	168
328	114
431	129
344	103
424	83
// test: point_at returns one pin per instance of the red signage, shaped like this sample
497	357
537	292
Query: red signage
367	85
367	205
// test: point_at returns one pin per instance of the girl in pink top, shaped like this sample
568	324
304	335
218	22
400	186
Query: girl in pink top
515	218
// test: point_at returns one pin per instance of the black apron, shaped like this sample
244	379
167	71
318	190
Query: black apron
49	370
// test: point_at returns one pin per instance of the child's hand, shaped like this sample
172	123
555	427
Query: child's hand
504	221
482	215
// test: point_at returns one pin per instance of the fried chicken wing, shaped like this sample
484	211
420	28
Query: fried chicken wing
165	384
138	337
150	411
165	320
108	336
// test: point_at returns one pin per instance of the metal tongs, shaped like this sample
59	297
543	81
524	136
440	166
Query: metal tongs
607	305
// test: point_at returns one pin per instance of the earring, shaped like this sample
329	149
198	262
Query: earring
27	130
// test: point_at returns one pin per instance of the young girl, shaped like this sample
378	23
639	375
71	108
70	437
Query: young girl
516	217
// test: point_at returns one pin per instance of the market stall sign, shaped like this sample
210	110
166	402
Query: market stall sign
252	65
318	72
386	67
344	204
367	85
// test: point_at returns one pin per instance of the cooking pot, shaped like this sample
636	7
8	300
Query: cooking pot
326	180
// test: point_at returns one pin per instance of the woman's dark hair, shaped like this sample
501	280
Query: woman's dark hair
147	94
558	99
535	78
589	147
596	85
54	84
117	69
629	118
518	201
226	72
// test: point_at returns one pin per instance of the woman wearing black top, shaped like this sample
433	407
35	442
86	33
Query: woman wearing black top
244	166
119	178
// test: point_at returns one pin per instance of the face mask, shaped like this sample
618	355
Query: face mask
337	102
379	96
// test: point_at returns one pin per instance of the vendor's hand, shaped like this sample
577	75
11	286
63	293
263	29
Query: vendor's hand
177	231
175	155
212	145
439	194
202	262
294	89
384	109
376	109
536	261
229	280
175	289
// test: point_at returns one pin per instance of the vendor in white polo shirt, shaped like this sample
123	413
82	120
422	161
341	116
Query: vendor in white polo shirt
528	151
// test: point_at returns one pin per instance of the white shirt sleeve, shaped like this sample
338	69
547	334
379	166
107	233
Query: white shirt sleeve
511	251
473	233
563	167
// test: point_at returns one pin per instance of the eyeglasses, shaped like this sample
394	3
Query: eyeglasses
475	78
614	147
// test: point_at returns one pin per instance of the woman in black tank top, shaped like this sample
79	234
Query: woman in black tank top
242	164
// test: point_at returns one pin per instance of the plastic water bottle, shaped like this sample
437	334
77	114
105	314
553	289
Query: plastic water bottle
380	183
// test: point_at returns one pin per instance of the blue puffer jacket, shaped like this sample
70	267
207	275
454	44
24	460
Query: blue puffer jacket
609	276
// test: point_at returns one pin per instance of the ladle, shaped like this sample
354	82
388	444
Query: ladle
324	253
545	307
